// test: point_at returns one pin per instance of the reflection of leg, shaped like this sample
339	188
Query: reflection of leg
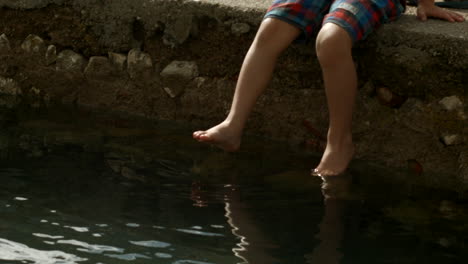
273	37
336	192
334	53
330	235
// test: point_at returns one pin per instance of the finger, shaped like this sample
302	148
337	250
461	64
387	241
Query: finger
422	15
447	16
458	17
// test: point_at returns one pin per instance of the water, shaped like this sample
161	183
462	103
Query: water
80	190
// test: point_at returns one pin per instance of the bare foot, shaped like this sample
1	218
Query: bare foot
335	159
222	136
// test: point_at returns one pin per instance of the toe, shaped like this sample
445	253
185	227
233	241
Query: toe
315	172
197	134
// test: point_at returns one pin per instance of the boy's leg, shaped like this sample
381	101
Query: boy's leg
273	37
334	46
347	22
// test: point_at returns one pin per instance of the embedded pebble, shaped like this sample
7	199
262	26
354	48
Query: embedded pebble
450	140
98	66
138	63
178	30
51	55
451	103
240	28
182	69
4	44
33	44
68	60
118	60
384	95
176	75
9	87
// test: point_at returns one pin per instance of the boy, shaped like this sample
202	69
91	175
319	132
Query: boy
338	25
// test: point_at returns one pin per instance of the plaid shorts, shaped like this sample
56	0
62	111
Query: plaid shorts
358	17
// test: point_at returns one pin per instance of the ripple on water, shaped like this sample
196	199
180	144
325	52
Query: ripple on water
163	255
13	251
90	248
47	236
131	256
187	261
200	233
151	243
78	229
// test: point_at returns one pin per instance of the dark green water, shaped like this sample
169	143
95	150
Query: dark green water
76	189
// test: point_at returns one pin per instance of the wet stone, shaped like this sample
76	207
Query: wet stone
240	28
33	44
138	63
98	66
69	60
177	75
4	44
51	55
451	103
118	60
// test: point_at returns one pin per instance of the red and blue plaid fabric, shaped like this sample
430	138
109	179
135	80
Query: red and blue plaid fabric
358	17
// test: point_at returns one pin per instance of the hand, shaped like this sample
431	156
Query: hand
426	10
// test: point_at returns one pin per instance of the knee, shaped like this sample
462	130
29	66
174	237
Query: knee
267	38
332	45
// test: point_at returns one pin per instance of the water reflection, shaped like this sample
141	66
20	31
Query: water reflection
338	199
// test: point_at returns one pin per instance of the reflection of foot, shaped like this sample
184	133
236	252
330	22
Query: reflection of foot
335	160
222	136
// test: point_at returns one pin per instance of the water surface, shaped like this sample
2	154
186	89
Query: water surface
76	189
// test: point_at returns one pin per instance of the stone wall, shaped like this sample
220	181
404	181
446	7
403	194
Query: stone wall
179	60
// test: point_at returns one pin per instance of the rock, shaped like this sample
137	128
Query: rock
98	66
447	209
451	103
9	91
444	242
69	60
388	98
4	44
51	55
34	44
138	63
118	60
450	140
9	87
384	95
178	31
176	76
240	28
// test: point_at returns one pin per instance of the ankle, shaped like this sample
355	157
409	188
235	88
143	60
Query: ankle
233	125
341	140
